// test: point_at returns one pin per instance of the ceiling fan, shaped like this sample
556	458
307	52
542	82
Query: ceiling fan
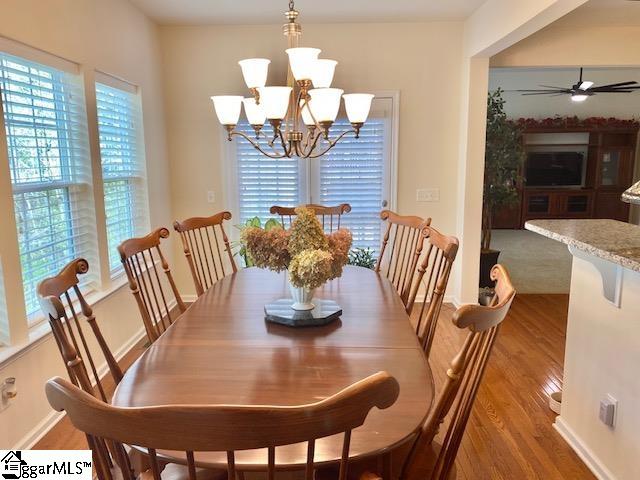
584	89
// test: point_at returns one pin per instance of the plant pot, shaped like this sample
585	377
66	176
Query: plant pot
487	260
302	298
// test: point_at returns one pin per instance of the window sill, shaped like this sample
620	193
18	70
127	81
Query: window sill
40	332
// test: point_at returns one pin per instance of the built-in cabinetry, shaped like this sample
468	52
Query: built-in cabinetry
608	171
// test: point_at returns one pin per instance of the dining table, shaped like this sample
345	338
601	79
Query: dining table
221	350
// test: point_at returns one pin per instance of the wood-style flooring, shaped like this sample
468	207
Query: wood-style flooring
510	434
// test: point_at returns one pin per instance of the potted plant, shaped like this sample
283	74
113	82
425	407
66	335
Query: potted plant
503	160
310	256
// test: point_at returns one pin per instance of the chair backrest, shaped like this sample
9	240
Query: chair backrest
225	428
201	238
64	305
463	380
433	276
141	265
329	217
399	262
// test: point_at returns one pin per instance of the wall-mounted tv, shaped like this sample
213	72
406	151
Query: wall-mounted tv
556	168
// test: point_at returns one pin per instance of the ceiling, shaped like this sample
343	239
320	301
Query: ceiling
242	12
604	12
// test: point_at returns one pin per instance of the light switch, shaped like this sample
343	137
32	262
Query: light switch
428	195
211	196
607	414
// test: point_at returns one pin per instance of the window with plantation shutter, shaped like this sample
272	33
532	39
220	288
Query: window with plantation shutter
262	181
49	161
353	172
123	167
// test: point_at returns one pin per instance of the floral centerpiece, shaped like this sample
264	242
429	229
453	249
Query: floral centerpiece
310	256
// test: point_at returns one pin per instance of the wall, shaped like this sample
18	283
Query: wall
421	60
543	106
114	37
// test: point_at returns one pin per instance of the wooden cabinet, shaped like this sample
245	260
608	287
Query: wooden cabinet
556	203
608	173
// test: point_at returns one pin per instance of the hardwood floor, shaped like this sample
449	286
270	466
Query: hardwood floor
510	434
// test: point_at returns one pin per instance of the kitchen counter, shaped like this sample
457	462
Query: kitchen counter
602	350
611	240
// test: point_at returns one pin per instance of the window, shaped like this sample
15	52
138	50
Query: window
356	171
123	167
353	172
49	162
4	318
263	182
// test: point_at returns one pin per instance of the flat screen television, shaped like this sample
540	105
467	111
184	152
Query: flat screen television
555	168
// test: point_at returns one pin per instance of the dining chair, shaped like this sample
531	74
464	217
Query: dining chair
432	278
63	303
330	217
400	259
221	428
431	459
141	266
201	241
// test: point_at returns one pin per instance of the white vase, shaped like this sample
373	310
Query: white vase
302	298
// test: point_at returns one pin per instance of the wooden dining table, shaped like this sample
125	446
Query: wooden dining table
222	351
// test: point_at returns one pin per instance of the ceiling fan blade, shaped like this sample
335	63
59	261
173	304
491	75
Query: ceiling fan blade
556	88
551	94
621	84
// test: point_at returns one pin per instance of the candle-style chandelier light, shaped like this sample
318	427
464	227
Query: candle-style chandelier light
307	102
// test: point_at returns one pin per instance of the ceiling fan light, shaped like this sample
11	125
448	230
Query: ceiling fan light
323	71
254	71
357	106
586	85
275	101
227	108
326	103
255	113
303	61
577	97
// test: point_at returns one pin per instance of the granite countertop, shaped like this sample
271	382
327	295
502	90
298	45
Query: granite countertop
615	241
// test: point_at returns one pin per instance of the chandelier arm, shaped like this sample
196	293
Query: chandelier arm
257	147
306	153
332	143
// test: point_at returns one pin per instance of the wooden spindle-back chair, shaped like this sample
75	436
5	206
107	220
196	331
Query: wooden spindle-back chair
201	238
62	302
399	262
433	277
141	265
223	428
427	459
329	217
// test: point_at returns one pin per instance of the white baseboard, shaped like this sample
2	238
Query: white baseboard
46	424
586	455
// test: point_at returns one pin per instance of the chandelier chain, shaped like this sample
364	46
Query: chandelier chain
291	5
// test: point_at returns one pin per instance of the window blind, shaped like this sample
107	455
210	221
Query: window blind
353	172
262	181
49	161
123	167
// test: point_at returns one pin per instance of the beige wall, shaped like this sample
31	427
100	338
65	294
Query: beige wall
421	60
114	37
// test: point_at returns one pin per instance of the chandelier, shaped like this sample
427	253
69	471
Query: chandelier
302	112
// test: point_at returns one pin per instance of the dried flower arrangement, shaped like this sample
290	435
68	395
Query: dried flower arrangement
311	256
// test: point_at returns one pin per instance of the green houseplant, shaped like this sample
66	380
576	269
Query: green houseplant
504	157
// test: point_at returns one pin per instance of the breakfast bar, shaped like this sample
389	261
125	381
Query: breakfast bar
602	350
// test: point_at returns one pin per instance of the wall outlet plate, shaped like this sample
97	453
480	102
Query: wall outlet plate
428	195
608	411
211	196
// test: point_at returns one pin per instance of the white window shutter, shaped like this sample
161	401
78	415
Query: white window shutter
49	161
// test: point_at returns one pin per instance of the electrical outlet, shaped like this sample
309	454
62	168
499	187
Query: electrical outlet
211	196
8	392
608	411
428	195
